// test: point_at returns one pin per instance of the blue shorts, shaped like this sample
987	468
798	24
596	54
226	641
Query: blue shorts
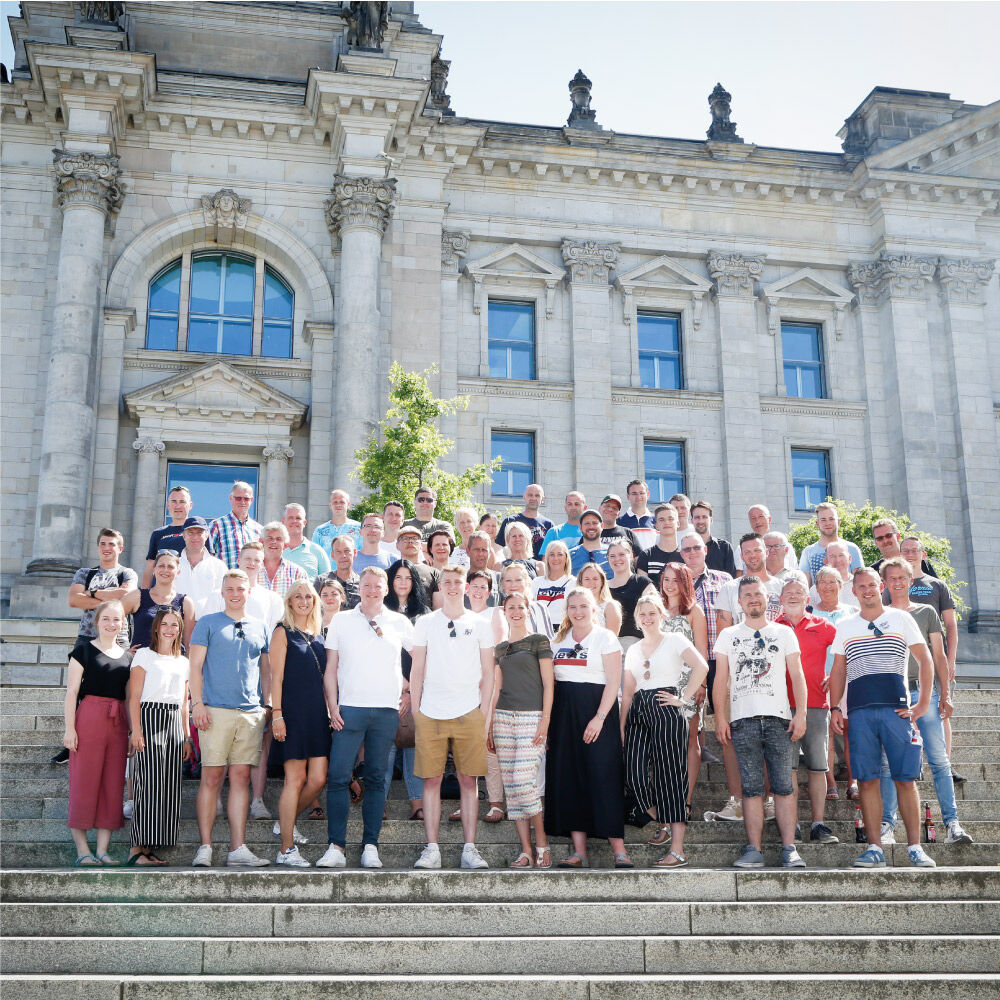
871	731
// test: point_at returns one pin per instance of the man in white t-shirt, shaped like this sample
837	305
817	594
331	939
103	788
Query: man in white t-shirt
451	685
754	661
753	559
200	575
366	695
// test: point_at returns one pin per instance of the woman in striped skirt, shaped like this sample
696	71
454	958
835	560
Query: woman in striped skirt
161	737
655	722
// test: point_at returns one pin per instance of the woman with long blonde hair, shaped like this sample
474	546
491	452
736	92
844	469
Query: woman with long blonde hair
550	588
607	611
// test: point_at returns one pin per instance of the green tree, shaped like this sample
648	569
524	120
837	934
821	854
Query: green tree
856	526
403	453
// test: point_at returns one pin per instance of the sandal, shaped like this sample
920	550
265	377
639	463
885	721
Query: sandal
139	860
832	793
106	859
671	860
523	860
82	862
543	857
661	837
356	789
154	860
456	816
574	861
623	861
852	791
417	814
493	815
316	813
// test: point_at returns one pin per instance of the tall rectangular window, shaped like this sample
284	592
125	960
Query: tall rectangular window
802	350
517	453
209	485
664	469
660	364
810	477
512	339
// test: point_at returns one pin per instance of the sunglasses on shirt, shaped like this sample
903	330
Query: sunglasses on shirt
878	632
375	628
760	643
240	634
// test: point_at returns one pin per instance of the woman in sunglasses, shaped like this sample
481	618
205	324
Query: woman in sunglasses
663	672
584	779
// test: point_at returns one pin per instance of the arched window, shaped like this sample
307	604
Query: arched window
223	313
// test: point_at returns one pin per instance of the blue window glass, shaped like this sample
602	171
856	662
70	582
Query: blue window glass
210	484
276	341
512	339
802	350
664	469
810	477
162	314
517	452
221	317
660	351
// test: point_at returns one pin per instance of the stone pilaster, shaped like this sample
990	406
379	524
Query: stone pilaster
358	211
89	192
733	276
962	285
276	459
454	249
147	505
319	336
590	263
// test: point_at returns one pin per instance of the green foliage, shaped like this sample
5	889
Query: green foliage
856	526
404	452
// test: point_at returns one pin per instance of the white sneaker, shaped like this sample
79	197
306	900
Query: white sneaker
918	857
258	810
297	837
128	809
731	812
370	858
888	834
471	858
292	858
334	858
243	857
430	857
768	809
956	835
203	858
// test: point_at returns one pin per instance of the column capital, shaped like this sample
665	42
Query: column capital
964	280
360	203
88	179
278	453
590	262
734	273
454	246
148	446
900	276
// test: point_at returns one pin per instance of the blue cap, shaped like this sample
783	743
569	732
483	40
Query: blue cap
195	522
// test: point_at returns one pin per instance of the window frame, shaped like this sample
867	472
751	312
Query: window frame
530	305
151	313
677	316
252	473
651	476
530	436
798	366
795	480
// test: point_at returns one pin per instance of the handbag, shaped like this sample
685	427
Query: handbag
406	733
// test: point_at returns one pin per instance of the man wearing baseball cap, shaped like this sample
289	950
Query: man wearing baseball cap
591	548
200	576
611	530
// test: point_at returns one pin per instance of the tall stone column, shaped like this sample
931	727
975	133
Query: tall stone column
589	263
962	286
734	275
89	189
146	511
358	211
276	457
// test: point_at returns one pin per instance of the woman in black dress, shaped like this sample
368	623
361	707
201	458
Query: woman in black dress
143	605
626	586
299	719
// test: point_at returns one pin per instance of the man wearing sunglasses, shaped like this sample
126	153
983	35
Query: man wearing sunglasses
755	661
425	500
871	656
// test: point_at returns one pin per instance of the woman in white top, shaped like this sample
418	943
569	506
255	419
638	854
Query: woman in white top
465	525
160	739
550	589
607	611
584	778
655	716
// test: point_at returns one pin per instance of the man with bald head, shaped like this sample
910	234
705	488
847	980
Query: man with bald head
839	558
536	523
760	522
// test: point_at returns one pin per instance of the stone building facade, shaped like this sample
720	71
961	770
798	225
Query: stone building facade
310	155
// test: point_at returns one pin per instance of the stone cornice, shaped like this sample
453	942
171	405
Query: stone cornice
667	397
964	280
900	276
515	388
88	179
589	262
360	203
734	274
813	407
180	361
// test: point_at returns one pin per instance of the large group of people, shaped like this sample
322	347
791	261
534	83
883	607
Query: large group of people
573	666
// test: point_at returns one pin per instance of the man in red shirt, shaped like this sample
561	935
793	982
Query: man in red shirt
815	635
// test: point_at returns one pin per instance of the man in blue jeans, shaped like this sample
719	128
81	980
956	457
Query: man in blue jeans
364	693
870	654
897	574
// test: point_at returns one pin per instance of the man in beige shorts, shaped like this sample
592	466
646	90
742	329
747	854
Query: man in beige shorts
230	699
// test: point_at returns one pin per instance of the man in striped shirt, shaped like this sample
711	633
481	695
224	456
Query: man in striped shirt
278	573
228	534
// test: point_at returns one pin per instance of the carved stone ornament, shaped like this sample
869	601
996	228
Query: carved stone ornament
225	212
898	275
855	141
366	24
278	453
101	13
734	273
88	179
721	129
360	202
148	446
964	280
439	99
589	261
581	115
454	246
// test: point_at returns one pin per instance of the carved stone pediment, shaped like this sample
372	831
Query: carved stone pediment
805	286
511	266
661	280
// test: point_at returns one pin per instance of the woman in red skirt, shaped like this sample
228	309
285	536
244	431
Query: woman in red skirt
97	734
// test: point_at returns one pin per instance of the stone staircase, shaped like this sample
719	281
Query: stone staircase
706	930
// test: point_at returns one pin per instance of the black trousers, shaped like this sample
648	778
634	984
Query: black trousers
656	764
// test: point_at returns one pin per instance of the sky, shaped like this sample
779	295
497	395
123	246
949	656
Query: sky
795	70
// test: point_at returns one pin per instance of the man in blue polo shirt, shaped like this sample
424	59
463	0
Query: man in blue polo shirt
591	549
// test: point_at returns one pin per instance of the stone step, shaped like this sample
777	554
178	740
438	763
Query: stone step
775	986
548	955
266	920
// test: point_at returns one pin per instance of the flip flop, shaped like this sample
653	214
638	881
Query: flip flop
623	861
671	860
316	813
82	862
140	860
523	860
154	860
493	815
106	859
417	814
573	861
543	857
